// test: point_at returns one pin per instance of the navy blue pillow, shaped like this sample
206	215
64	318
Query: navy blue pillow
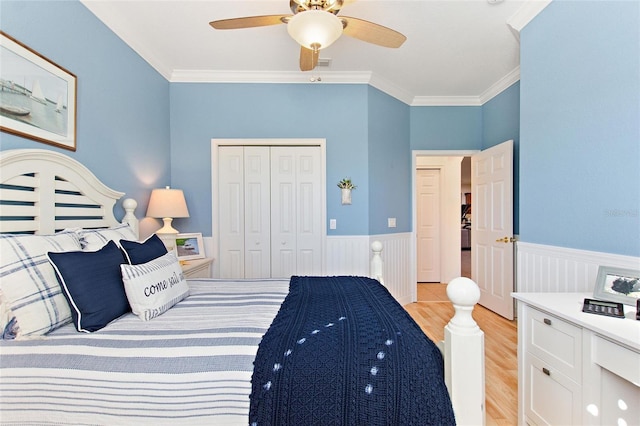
138	253
92	284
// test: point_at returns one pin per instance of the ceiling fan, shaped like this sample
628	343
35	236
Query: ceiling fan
315	25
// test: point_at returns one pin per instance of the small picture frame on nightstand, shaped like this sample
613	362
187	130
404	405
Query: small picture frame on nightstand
189	246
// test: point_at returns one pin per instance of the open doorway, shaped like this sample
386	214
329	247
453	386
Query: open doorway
465	217
449	224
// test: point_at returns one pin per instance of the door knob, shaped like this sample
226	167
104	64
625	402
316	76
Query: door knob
506	240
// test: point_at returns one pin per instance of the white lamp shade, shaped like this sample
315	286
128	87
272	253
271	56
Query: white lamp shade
167	204
314	28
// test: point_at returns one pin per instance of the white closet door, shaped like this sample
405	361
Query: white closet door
309	204
231	211
257	212
295	211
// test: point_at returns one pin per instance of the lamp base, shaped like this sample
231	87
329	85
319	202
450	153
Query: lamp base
169	240
167	228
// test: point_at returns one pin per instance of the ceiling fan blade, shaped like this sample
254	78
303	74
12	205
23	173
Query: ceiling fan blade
372	33
247	22
308	58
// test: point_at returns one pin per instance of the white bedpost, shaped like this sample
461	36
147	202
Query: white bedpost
376	262
464	354
130	218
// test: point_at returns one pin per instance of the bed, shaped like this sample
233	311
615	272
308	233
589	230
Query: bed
220	352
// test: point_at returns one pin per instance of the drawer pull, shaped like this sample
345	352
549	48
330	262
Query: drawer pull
546	371
547	321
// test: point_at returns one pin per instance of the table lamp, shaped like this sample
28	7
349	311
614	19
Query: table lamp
167	204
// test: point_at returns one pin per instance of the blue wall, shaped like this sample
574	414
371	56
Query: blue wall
446	128
580	127
389	164
578	147
123	104
338	113
501	122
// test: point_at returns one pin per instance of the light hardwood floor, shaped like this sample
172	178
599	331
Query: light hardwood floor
433	311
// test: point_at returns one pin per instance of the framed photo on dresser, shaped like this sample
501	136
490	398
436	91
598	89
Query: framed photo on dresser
189	246
618	285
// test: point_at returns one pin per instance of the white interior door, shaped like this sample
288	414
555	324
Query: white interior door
492	227
257	212
309	207
296	225
428	225
231	212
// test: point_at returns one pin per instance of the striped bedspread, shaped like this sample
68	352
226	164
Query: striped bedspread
192	365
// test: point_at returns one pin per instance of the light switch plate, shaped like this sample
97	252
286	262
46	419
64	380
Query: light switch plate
391	222
332	224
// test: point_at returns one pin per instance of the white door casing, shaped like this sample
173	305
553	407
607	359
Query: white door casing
428	229
492	222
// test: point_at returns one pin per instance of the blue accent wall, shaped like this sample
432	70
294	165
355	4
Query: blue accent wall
446	128
501	122
580	127
122	104
203	111
389	164
574	118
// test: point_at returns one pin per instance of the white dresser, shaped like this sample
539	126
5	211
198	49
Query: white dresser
576	368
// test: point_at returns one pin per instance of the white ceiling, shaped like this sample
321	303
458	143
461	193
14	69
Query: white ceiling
458	52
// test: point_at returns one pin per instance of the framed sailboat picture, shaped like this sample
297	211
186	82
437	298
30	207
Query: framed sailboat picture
37	97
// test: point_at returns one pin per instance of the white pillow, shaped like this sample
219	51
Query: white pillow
32	300
95	239
154	287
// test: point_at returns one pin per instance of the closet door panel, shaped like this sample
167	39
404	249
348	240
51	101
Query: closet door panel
283	212
257	202
309	206
231	211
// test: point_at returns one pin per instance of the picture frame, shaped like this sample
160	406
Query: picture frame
37	96
189	246
620	285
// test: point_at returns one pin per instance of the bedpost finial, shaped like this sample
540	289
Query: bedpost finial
464	294
129	205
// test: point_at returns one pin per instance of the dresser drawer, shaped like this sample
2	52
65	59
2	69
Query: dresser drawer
553	398
619	360
557	343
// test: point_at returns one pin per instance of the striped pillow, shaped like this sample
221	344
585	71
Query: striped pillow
32	300
154	287
95	239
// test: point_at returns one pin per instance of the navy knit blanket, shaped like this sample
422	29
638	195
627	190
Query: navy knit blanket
342	351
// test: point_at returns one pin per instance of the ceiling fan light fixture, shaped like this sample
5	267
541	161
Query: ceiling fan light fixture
314	29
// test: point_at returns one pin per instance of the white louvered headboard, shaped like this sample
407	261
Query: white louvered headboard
43	191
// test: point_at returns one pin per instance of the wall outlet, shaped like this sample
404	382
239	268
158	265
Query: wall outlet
391	222
332	224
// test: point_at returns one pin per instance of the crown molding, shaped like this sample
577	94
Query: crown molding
391	89
500	86
446	101
281	77
525	14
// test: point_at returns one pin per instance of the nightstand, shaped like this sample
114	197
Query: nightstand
197	268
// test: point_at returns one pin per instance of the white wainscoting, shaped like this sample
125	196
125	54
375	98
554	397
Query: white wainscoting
351	255
542	268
